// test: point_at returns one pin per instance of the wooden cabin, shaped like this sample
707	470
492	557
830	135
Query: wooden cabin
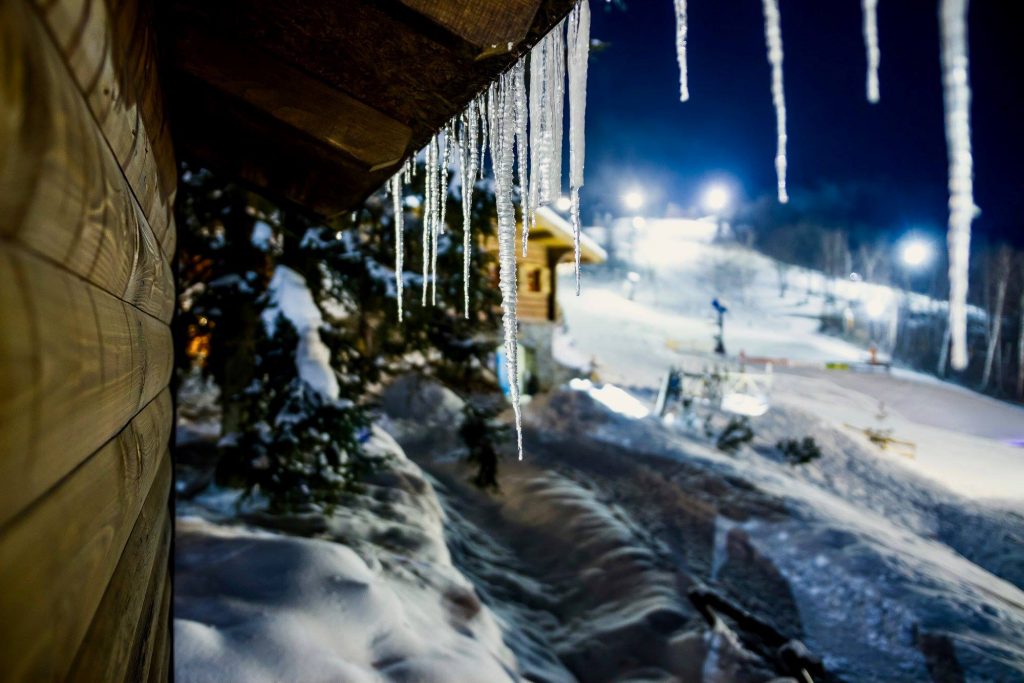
313	102
550	245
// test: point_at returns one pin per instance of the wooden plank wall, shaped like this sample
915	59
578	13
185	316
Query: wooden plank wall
87	180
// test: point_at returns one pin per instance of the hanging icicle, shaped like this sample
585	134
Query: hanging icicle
468	170
395	185
502	133
773	39
681	28
443	177
957	98
870	8
428	211
547	91
578	47
522	162
482	115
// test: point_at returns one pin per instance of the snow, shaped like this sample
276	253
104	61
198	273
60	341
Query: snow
874	55
612	397
262	235
962	437
773	39
681	29
374	599
290	297
957	98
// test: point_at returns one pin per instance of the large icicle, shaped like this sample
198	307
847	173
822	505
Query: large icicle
957	97
578	48
467	168
870	8
522	162
681	28
395	185
547	90
428	212
502	134
443	178
773	38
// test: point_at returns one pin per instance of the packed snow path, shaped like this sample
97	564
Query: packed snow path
604	543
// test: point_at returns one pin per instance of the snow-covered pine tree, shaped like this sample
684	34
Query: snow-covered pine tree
295	445
284	433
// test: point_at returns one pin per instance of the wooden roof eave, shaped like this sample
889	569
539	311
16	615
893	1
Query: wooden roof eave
318	102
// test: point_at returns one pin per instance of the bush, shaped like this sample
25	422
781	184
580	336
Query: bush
736	433
799	452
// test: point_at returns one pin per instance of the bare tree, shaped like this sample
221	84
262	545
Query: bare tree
782	272
873	261
997	280
1020	330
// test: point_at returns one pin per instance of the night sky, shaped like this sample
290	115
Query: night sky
886	163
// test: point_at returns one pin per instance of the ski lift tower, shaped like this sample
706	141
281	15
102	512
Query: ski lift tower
721	310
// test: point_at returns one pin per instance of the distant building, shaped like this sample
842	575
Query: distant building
550	243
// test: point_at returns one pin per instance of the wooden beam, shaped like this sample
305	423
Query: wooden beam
76	364
57	557
110	52
108	651
62	192
372	139
484	23
417	63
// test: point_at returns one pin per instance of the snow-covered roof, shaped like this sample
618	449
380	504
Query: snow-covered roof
561	229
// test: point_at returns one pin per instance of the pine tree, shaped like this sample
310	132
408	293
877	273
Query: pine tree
280	436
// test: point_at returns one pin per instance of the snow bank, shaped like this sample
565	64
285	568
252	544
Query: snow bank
878	560
291	298
373	598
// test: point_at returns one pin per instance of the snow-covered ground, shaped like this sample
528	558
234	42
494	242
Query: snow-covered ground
878	549
627	549
964	439
368	595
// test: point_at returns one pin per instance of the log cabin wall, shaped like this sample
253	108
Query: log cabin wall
87	180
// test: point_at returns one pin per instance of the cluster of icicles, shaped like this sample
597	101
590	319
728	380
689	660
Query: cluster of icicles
957	97
521	132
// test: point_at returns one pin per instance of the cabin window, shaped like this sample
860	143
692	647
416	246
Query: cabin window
534	279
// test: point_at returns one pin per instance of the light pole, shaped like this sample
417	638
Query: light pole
633	199
715	200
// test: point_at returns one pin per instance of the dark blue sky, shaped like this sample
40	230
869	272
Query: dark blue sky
891	155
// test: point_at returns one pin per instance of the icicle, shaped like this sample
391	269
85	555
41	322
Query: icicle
773	38
556	105
578	43
435	180
395	185
467	166
521	114
957	97
536	127
482	110
870	8
443	179
502	141
681	28
547	89
428	212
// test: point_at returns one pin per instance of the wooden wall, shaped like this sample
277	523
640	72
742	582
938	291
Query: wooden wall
87	181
